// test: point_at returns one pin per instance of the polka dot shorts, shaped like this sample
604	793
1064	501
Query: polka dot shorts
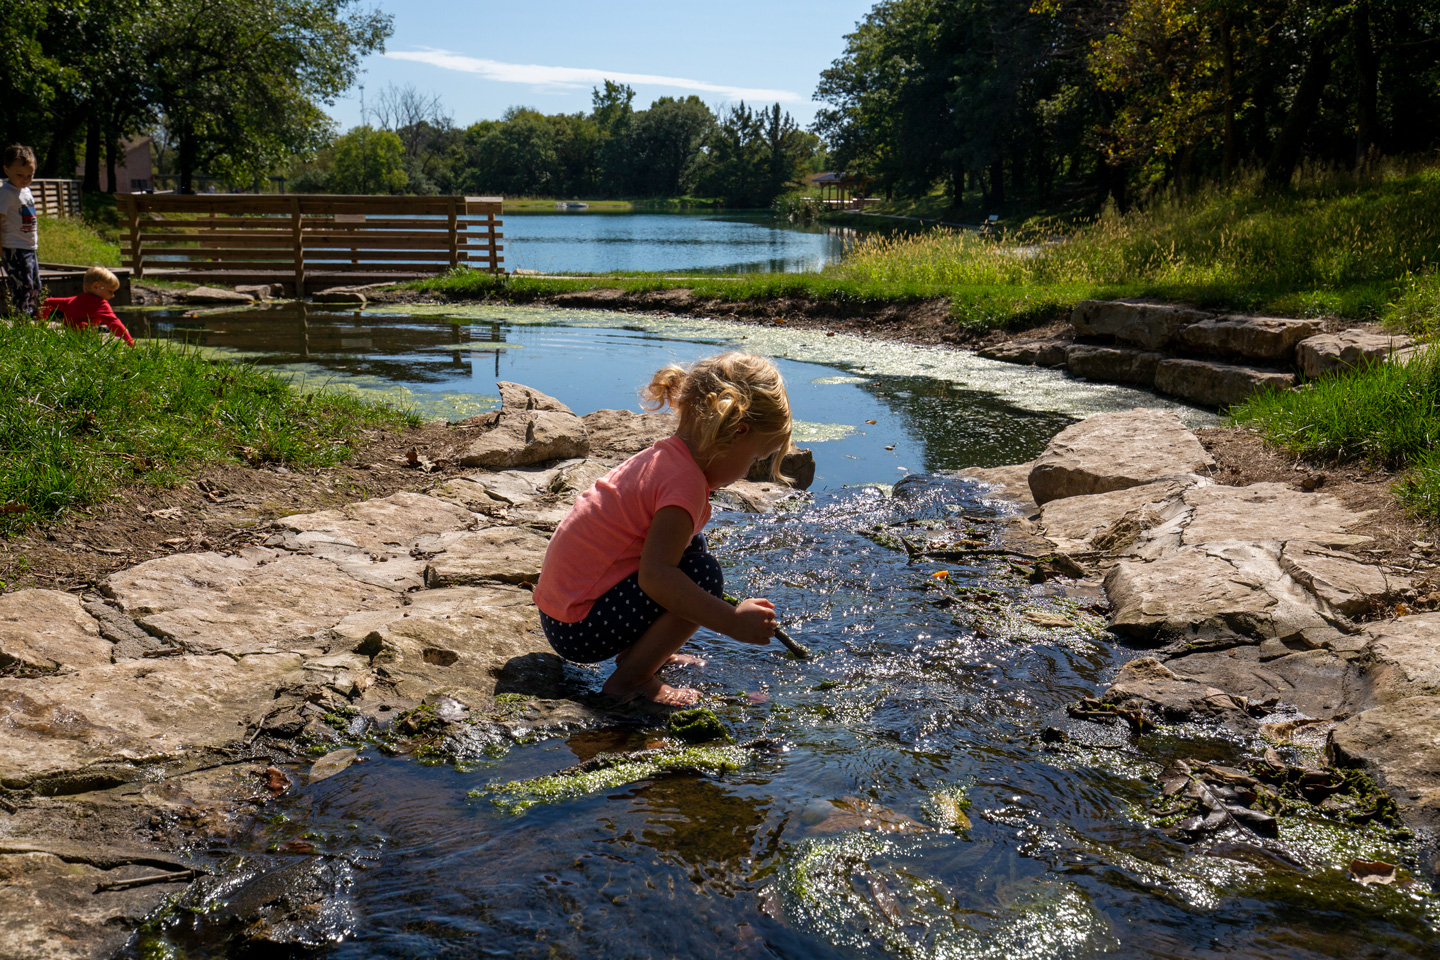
625	612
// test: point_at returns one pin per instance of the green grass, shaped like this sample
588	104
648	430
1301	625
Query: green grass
71	240
1386	415
81	415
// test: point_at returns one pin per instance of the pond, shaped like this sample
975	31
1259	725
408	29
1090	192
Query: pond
714	243
924	711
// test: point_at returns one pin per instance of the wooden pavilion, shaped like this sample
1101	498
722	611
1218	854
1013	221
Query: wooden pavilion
842	190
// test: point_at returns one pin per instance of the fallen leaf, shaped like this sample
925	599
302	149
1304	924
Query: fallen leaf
275	780
1371	872
891	447
940	574
872	421
298	846
13	508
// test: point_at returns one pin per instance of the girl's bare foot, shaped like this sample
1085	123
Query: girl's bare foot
654	690
675	660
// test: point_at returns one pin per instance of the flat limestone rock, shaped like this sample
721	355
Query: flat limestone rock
1329	352
1073	523
522	486
520	438
624	433
1268	511
214	295
1113	364
1315	682
1398	744
1254	338
119	715
1217	590
530	427
49	909
1152	326
1007	483
1147	683
1113	451
749	496
252	602
504	554
1347	585
389	524
798	465
1213	384
457	642
1040	353
1402	658
48	631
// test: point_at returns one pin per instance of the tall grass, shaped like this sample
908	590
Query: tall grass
1385	414
1361	247
82	414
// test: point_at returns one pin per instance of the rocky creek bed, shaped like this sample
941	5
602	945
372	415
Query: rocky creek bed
153	712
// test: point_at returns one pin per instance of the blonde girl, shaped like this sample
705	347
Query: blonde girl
627	574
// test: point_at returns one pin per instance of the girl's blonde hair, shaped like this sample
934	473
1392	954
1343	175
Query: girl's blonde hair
715	396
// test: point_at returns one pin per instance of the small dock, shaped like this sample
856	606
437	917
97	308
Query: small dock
308	242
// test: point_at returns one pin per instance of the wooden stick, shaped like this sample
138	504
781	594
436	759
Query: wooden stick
177	877
800	651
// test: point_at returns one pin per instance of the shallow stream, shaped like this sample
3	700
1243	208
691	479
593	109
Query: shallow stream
915	804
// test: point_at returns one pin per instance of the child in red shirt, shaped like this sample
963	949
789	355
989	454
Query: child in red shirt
91	308
627	574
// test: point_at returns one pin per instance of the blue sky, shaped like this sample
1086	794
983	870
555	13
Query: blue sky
481	56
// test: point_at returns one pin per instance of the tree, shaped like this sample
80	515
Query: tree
664	143
612	112
751	158
516	156
367	160
240	84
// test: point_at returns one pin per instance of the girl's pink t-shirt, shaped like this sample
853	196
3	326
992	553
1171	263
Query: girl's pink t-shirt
598	543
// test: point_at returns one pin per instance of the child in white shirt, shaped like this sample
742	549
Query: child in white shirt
19	236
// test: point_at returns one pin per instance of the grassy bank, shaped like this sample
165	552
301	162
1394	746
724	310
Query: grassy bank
68	240
81	415
1386	415
1357	247
547	204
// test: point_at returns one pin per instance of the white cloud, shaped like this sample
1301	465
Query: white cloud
575	77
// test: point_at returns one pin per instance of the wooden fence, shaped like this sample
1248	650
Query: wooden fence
307	241
56	198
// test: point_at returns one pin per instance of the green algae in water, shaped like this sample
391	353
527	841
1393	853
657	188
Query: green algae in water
605	773
698	725
849	891
946	807
806	431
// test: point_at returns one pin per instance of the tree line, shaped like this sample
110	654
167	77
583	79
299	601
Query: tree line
675	148
237	88
1018	97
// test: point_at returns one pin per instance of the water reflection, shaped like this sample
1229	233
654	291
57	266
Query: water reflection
446	365
713	243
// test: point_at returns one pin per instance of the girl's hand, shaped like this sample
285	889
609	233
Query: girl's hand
754	621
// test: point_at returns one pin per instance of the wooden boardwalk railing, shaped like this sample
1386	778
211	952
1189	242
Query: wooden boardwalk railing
56	198
307	241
